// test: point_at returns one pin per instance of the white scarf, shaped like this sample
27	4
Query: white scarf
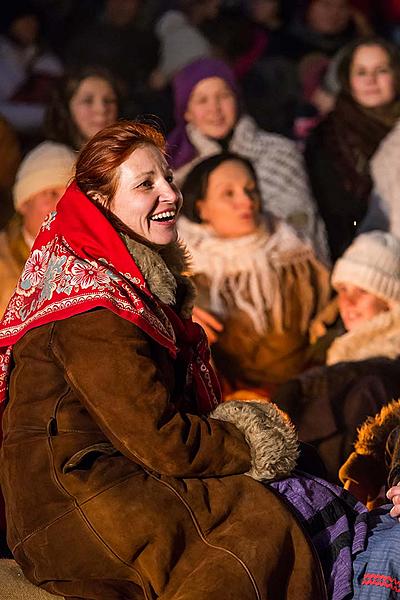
380	336
250	270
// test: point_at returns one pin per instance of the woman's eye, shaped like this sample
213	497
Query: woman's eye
169	178
147	184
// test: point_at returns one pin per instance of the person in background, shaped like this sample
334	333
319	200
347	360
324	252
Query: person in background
372	474
339	150
135	471
85	101
115	41
255	277
41	180
28	70
210	119
324	26
384	208
367	281
328	403
181	39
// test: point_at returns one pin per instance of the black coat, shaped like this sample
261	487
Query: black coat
328	404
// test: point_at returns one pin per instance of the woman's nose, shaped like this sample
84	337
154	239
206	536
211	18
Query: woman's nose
244	199
169	192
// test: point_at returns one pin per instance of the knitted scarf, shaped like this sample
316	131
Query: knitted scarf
353	134
80	262
247	273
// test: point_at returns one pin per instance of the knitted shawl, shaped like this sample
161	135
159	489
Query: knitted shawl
247	273
280	172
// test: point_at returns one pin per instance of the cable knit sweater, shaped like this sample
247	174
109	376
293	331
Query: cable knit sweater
386	176
281	176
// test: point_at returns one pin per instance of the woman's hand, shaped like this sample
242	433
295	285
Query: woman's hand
394	495
209	323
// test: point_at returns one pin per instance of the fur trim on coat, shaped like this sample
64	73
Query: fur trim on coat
379	336
372	463
373	434
164	270
269	433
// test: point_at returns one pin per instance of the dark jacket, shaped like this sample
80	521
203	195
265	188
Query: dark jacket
328	404
340	210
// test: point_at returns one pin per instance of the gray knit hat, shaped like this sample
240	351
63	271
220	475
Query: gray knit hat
372	262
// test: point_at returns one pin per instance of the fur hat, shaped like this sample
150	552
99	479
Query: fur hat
46	166
372	262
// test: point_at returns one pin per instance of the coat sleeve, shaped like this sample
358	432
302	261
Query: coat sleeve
109	364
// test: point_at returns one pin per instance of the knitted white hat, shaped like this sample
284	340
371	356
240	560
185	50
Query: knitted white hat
46	166
372	262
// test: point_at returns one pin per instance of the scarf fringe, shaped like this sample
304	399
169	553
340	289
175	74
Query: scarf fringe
259	273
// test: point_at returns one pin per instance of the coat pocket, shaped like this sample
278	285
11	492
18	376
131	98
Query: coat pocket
84	459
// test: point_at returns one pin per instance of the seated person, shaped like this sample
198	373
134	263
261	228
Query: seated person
329	403
40	182
367	280
135	470
254	275
369	471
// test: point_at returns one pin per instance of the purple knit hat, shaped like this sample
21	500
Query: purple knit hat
179	147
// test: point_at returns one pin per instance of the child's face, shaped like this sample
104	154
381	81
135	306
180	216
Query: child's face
357	305
231	205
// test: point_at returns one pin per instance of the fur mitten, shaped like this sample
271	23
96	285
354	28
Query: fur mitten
269	433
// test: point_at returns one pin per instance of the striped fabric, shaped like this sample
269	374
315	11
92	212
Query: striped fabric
377	568
336	523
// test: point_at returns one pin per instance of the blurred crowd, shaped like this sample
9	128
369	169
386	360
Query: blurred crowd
283	126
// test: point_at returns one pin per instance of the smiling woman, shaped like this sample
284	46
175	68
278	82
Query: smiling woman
340	148
84	101
135	472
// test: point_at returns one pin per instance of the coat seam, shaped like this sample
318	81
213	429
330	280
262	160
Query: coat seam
204	539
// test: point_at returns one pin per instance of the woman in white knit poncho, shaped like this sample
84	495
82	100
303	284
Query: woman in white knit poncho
253	273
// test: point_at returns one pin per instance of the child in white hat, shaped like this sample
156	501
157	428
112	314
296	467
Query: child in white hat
41	180
367	280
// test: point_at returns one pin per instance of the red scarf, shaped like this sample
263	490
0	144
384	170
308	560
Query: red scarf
79	262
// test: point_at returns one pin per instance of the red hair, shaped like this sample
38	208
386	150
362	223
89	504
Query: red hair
97	165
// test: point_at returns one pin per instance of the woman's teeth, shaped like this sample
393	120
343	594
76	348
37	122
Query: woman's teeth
164	216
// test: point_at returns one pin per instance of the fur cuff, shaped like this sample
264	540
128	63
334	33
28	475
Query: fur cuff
269	433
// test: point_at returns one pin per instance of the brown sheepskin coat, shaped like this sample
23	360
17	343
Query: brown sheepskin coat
112	491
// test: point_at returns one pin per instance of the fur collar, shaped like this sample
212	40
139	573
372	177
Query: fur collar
378	337
164	271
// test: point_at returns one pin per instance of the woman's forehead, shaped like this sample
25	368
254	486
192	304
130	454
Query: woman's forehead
144	159
209	85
